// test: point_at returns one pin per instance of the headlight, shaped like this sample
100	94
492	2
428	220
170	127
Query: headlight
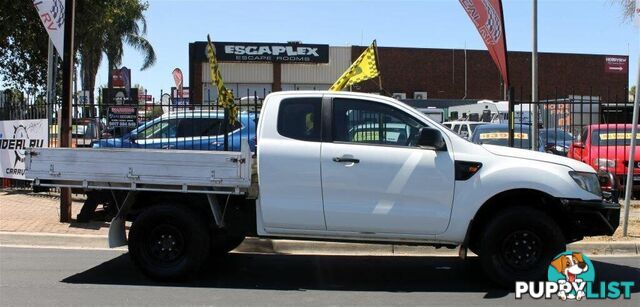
604	163
587	181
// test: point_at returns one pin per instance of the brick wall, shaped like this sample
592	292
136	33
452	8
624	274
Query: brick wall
440	72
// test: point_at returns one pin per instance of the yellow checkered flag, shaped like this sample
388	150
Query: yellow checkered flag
225	96
364	68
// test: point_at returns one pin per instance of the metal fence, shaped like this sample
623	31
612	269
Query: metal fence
592	128
170	122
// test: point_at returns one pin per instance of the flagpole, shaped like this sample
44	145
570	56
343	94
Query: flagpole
375	45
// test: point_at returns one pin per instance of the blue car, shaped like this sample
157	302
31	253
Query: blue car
187	130
498	134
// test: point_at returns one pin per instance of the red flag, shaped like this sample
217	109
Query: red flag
488	18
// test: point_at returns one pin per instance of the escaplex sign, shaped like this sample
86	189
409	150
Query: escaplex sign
267	52
15	137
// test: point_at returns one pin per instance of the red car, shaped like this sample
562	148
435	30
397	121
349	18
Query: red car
606	147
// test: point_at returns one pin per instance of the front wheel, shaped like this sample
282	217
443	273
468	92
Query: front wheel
169	242
518	244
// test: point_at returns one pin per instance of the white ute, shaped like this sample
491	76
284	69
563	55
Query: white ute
344	167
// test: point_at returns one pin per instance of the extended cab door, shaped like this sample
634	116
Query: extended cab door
289	165
375	179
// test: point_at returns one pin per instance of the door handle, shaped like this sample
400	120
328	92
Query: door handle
346	160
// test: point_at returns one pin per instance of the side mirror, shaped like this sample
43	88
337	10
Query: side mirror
578	144
431	139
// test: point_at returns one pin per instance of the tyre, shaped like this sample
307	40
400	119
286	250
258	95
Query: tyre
169	242
223	243
518	244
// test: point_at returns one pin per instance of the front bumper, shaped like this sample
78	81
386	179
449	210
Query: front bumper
590	218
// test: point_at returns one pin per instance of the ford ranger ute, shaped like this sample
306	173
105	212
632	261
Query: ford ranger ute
338	166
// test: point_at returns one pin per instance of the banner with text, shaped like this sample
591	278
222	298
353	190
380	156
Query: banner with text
51	13
488	18
15	137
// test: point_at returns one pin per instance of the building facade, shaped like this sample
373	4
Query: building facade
406	73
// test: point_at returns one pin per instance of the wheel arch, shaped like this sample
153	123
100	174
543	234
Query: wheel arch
537	199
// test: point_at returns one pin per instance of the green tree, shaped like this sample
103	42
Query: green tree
23	47
120	22
101	27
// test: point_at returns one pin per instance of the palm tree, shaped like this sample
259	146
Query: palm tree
111	24
129	27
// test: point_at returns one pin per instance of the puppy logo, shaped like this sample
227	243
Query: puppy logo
574	270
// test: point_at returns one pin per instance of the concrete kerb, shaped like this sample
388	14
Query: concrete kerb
299	247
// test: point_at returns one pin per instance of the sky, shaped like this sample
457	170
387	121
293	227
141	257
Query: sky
565	26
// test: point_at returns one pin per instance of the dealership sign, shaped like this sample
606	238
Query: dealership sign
122	109
15	137
266	52
616	64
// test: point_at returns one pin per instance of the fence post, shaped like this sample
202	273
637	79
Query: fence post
510	114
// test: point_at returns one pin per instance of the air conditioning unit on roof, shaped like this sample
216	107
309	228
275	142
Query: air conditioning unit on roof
400	96
420	95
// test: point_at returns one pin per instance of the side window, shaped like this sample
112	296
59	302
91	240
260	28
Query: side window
299	118
464	131
584	135
163	129
368	122
195	127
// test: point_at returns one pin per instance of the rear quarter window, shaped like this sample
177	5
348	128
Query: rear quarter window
299	118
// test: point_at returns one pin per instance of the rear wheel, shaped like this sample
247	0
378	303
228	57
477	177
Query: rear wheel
169	242
518	244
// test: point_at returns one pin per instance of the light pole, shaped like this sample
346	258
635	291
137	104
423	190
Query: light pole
534	79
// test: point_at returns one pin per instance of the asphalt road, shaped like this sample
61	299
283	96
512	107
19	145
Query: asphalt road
37	276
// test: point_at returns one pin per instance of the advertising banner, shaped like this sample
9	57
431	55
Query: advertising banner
178	79
488	18
264	52
616	65
123	116
122	110
15	137
179	98
51	14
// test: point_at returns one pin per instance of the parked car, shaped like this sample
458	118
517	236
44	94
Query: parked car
498	134
464	129
606	146
199	130
556	141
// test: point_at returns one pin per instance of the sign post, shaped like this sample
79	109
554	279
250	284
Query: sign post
632	151
67	96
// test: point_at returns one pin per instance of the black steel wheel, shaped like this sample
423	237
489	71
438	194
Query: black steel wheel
169	242
518	244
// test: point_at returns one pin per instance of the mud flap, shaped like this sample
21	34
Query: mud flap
117	231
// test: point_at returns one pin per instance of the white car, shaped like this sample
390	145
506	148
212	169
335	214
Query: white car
463	128
340	166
